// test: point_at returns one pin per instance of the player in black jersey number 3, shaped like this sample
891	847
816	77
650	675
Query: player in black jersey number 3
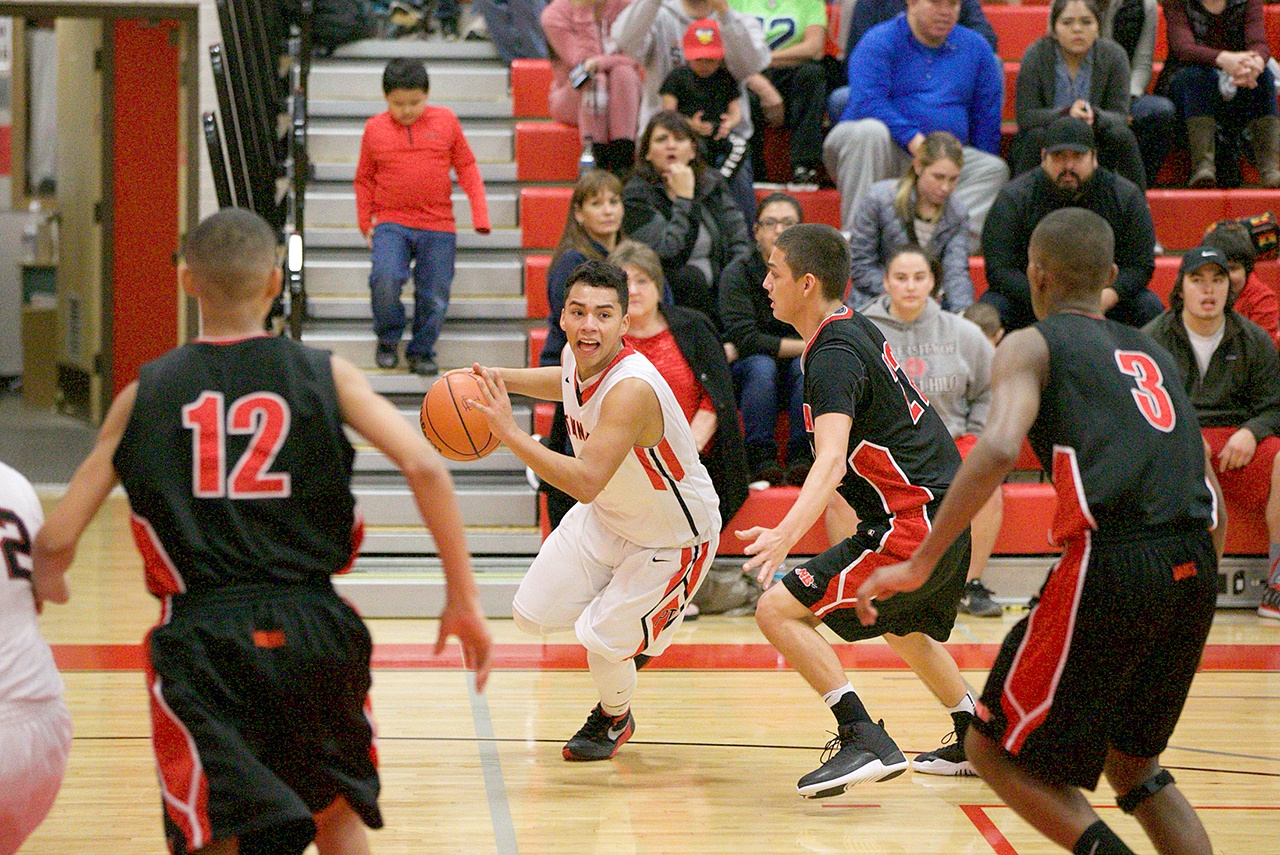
1094	679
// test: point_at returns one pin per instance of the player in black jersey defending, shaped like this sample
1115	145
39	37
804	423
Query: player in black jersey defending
1095	677
232	452
880	447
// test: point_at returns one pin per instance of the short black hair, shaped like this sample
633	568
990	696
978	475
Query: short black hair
404	73
1233	239
600	274
779	196
1079	246
233	249
821	250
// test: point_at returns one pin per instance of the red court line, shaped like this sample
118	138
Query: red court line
700	657
995	838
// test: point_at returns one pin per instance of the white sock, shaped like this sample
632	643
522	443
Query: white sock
616	682
966	704
833	697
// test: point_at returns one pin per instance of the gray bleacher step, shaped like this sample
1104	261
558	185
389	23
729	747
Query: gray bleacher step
460	308
384	49
361	109
481	540
361	79
345	173
490	142
413	587
350	238
474	276
500	504
401	384
458	347
337	209
369	459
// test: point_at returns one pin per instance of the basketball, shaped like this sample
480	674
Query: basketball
457	432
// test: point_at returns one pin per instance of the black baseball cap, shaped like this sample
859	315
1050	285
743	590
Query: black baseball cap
1196	258
1067	133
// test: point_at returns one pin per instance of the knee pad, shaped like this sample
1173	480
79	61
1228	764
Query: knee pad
1130	801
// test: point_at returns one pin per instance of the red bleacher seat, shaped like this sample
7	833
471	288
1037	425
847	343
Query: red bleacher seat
1017	27
1028	514
543	213
819	206
1181	215
767	508
535	285
543	413
547	151
537	338
530	88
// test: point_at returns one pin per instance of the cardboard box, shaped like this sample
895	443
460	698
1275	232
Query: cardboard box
39	357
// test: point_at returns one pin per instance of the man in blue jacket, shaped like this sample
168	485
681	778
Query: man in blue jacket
914	74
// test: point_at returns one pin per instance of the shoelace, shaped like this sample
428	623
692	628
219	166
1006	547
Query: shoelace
832	748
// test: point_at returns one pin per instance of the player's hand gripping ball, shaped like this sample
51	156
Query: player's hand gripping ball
457	432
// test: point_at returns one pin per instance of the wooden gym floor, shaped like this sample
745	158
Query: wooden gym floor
724	729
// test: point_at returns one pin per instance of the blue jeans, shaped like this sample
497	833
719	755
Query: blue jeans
1155	124
1194	90
768	385
432	254
515	27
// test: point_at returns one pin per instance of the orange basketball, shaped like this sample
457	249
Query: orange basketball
457	432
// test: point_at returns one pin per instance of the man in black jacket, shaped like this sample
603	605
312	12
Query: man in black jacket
1231	372
767	369
1069	177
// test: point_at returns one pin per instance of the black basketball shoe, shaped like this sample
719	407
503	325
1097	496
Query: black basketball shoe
950	759
861	753
601	737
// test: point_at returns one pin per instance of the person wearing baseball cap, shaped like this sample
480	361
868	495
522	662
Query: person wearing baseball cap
706	93
1069	177
1231	372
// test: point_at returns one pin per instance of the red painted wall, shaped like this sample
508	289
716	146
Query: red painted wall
144	184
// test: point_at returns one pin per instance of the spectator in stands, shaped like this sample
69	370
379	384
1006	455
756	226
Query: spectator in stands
949	361
862	16
1069	177
1132	25
767	369
1252	298
910	76
514	27
684	347
405	212
792	92
705	93
1217	76
682	208
987	319
918	208
652	32
593	85
1072	72
1232	374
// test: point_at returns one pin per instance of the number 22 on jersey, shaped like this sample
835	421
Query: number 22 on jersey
264	415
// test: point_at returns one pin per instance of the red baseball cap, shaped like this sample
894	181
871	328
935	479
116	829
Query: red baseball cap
702	40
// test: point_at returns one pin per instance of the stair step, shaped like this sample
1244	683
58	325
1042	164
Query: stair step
361	109
412	586
457	347
481	540
473	277
491	143
460	308
345	173
384	49
350	238
485	505
370	460
337	209
360	80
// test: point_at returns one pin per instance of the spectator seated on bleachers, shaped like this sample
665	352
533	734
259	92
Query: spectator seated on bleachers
514	27
792	92
920	208
1069	177
1231	372
1253	298
1133	24
652	32
1071	71
767	370
1217	76
594	86
912	75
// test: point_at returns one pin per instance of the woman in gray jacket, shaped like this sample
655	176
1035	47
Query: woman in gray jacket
1071	71
918	208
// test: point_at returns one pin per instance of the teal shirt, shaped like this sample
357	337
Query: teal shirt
784	21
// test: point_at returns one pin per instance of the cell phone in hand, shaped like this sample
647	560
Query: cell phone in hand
578	76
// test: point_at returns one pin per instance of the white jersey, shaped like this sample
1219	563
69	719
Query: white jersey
662	495
27	672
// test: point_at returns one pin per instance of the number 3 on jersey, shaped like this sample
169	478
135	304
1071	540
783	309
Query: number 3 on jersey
1151	396
266	416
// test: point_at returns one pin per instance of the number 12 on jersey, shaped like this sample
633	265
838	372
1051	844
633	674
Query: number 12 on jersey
266	416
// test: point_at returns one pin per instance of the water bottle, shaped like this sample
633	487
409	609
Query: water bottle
587	162
31	233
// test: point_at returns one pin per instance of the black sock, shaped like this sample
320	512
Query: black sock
849	710
1099	839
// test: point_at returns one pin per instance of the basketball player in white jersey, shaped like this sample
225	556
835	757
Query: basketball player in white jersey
35	729
627	559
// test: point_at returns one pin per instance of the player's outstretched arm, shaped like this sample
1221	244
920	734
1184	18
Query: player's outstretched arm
1018	375
769	546
379	422
542	383
55	545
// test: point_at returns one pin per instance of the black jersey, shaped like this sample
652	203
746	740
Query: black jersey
1117	431
237	467
901	456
